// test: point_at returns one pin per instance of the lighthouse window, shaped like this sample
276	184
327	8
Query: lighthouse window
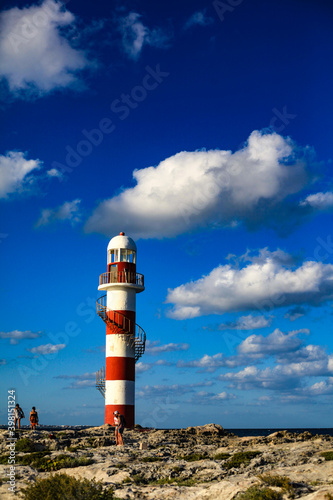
112	256
123	255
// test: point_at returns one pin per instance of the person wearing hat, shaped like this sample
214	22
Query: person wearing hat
119	423
33	418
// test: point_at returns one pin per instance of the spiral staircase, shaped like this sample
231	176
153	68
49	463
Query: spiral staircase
131	333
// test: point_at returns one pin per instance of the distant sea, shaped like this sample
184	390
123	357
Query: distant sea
237	432
266	432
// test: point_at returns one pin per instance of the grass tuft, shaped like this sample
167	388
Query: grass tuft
221	456
328	455
63	486
151	459
257	493
282	482
25	445
242	457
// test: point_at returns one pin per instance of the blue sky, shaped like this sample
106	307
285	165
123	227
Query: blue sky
203	130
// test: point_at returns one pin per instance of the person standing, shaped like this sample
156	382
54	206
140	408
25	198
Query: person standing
33	418
18	414
119	422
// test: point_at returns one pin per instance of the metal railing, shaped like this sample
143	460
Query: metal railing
122	277
100	381
134	335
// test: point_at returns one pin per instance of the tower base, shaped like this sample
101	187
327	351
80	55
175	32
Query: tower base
126	410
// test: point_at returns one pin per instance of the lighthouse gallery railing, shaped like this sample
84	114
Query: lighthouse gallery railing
122	277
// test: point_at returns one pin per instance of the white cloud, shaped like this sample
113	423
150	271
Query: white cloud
14	172
47	349
68	211
135	35
53	172
315	363
199	18
249	322
264	284
275	343
154	349
206	398
319	201
196	189
16	336
35	55
142	367
210	363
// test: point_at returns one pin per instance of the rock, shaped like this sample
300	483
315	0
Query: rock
134	470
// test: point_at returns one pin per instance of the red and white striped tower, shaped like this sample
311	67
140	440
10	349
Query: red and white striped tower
125	341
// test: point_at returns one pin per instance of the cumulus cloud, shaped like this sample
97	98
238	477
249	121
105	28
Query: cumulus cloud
309	361
47	349
319	201
144	367
14	172
211	363
68	211
275	343
199	18
206	398
264	284
285	347
249	322
16	336
154	348
135	35
201	188
36	56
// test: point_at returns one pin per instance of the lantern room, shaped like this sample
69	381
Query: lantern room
121	262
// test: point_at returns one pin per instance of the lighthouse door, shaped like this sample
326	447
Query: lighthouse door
113	270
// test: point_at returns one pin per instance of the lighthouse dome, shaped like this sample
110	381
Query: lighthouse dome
122	241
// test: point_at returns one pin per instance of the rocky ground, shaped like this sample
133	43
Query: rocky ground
195	463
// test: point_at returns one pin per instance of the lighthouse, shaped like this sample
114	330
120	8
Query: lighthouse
125	340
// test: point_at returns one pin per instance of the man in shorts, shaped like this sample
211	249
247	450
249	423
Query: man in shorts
119	423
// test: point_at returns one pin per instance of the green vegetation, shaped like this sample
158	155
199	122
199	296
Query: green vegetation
221	456
4	459
193	457
151	459
121	465
64	462
328	455
33	459
256	493
138	479
25	445
63	486
282	482
40	461
242	457
178	481
329	496
176	469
